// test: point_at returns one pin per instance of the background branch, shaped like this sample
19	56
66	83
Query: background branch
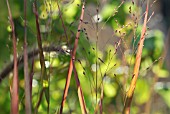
5	72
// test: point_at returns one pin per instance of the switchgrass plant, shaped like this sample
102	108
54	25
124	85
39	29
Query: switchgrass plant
100	43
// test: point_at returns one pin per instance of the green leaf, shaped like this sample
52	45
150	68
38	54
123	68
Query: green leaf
109	90
141	92
162	73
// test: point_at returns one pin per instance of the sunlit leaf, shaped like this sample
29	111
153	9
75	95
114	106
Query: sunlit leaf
141	92
162	73
45	83
9	29
109	90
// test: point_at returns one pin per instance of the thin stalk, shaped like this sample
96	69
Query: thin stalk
31	77
73	54
99	106
131	90
65	31
14	92
101	100
44	77
80	92
28	109
39	40
39	101
97	37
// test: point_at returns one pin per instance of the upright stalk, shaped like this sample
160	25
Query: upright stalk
131	90
26	76
65	31
80	92
73	54
44	77
14	94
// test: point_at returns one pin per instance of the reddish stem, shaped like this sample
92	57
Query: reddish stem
131	90
80	92
71	60
14	94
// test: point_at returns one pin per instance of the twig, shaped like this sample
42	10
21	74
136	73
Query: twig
131	90
71	60
14	92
